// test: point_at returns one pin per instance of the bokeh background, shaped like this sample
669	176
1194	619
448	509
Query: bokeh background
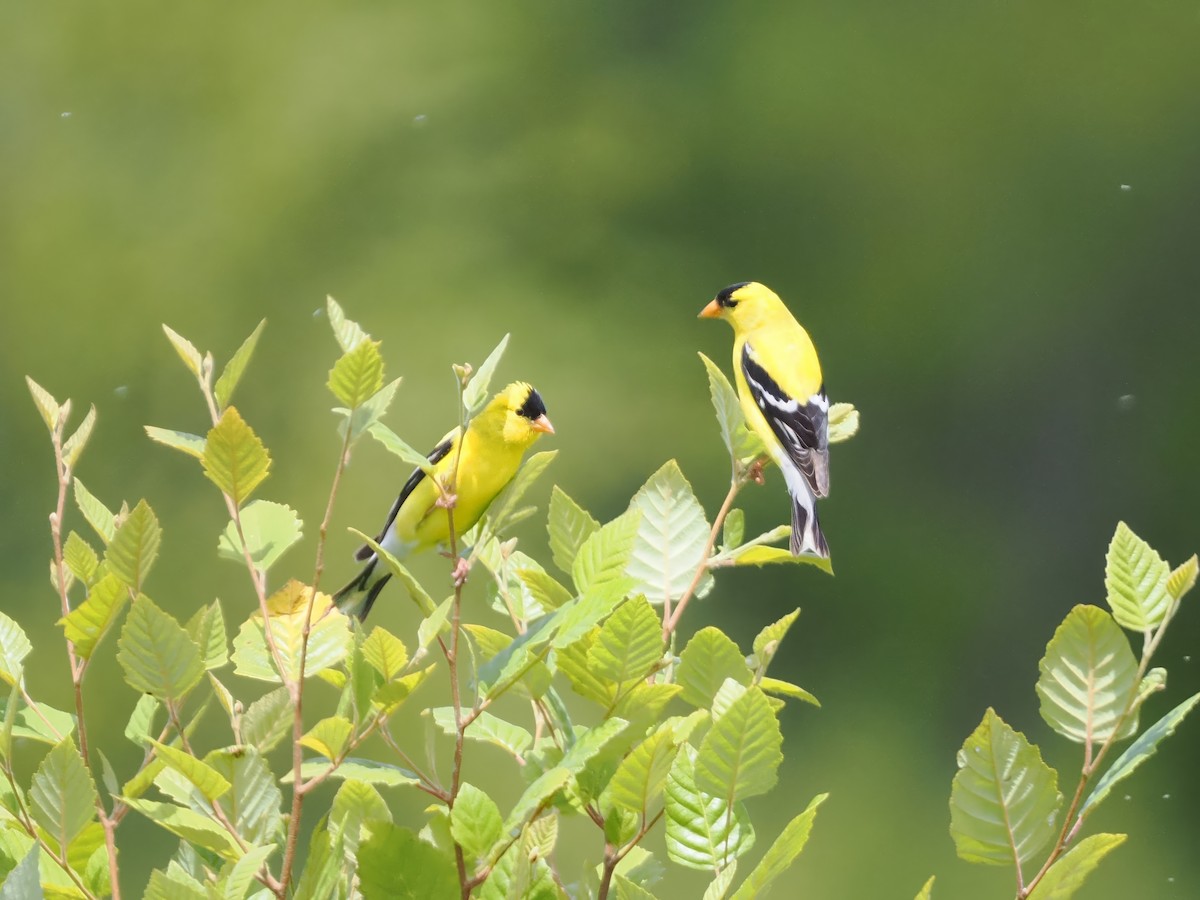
986	214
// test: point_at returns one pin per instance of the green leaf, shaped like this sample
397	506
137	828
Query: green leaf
86	625
1088	677
572	661
503	511
174	884
157	654
1067	875
134	547
418	594
242	873
253	803
426	873
207	629
739	440
235	368
1183	578
46	405
720	885
186	350
754	553
602	558
544	588
99	516
80	558
475	821
396	445
487	729
329	737
787	689
672	536
75	443
365	770
703	831
141	720
14	647
1138	752
385	653
629	644
569	525
46	725
183	441
388	697
203	777
733	532
766	644
843	422
268	720
323	866
328	643
188	825
536	797
270	529
926	892
358	375
591	743
1005	799
63	794
235	460
475	394
741	753
22	882
1136	579
643	704
779	858
347	332
708	659
630	890
638	783
368	412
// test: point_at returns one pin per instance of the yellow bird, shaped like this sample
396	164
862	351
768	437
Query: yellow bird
492	448
783	398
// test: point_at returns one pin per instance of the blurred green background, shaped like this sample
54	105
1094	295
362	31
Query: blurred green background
986	214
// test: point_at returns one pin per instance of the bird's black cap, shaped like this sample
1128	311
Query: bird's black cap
725	297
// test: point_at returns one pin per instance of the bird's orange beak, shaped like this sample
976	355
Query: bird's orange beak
712	311
542	424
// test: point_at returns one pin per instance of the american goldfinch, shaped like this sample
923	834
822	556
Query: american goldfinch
783	398
492	448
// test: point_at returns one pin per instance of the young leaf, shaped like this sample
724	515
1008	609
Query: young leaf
207	629
1088	676
536	797
733	532
270	529
426	872
134	547
347	332
63	794
671	537
174	884
235	460
141	720
189	825
14	647
329	737
99	516
487	729
1067	875
75	443
243	872
157	654
1138	752
708	659
591	743
203	777
1183	578
393	443
87	623
475	394
766	644
365	770
739	440
235	368
573	663
186	350
926	892
629	643
328	643
475	822
183	441
267	720
740	755
603	557
843	422
787	689
1005	799
505	507
638	783
544	588
254	801
1136	579
385	653
369	412
23	882
358	374
720	885
46	405
415	591
569	525
703	831
80	558
781	854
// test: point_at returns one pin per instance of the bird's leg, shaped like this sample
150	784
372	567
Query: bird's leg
460	572
756	471
447	500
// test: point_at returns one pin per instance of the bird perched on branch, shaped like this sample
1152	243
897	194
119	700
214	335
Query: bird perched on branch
783	397
492	448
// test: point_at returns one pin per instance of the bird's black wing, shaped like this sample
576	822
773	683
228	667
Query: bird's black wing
438	453
802	426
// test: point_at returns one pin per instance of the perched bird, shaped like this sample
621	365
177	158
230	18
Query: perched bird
783	397
492	448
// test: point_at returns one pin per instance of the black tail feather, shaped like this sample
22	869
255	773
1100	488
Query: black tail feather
358	596
804	526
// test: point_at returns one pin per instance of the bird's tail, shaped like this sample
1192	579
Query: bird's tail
358	596
806	530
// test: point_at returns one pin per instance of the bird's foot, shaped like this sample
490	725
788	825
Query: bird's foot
461	567
756	472
447	500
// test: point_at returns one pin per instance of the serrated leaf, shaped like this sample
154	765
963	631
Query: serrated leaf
781	854
242	873
202	776
234	459
427	871
174	884
141	720
639	780
157	654
270	529
191	444
46	725
63	795
740	755
703	831
207	629
546	591
14	647
475	822
1088	678
134	547
23	882
329	736
741	443
388	697
415	591
1004	799
1135	577
185	348
385	653
766	643
369	412
760	555
573	663
267	720
569	525
503	511
86	625
475	394
591	743
254	801
358	374
1066	876
323	866
99	516
629	643
234	369
80	558
328	643
189	825
1138	752
708	659
787	689
365	770
347	332
355	804
926	892
720	885
604	556
536	796
643	704
672	536
733	532
488	729
396	445
74	445
843	422
46	405
1183	578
